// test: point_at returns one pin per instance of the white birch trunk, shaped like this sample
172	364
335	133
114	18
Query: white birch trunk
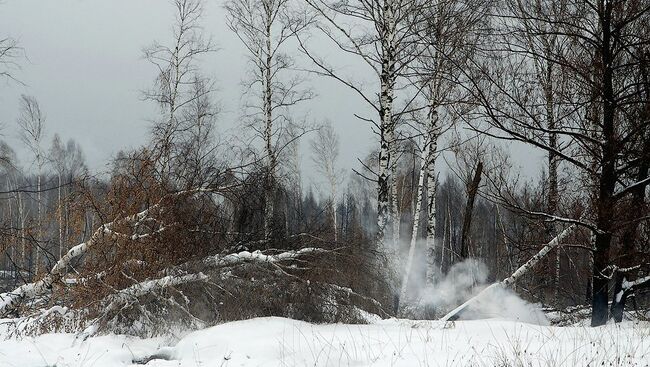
416	226
394	208
521	271
39	223
333	190
9	301
268	128
22	217
434	132
387	126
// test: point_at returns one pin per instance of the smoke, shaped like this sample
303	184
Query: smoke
466	280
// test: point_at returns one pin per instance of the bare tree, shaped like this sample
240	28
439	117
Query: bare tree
416	225
453	31
197	141
552	83
8	52
57	158
383	36
596	39
68	162
31	122
325	152
264	28
175	87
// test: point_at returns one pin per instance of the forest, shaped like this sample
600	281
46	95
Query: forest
195	227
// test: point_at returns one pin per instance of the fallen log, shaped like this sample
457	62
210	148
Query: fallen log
521	271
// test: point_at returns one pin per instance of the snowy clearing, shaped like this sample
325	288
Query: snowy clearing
284	342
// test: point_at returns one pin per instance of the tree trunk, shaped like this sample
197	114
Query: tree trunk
39	223
553	195
268	134
469	208
416	226
60	210
520	272
607	180
387	127
395	214
333	190
430	159
619	298
628	237
450	242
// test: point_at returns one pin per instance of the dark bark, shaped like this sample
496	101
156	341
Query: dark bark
469	208
629	235
607	182
618	306
618	303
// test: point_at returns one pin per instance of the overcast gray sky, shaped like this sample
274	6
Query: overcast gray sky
84	64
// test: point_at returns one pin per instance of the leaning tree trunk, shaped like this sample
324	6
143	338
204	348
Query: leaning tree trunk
469	208
520	272
416	226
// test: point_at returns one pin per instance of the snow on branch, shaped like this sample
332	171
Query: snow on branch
148	286
638	184
259	257
635	283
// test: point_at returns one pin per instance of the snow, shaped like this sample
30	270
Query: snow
628	285
283	342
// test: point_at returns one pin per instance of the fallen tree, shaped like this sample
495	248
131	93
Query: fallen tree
153	306
11	300
520	272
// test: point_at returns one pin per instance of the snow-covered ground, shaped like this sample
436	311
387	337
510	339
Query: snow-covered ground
284	342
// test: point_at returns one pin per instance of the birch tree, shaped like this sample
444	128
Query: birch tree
382	35
517	275
265	28
67	160
177	66
551	85
198	142
453	32
31	122
57	158
416	225
325	152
